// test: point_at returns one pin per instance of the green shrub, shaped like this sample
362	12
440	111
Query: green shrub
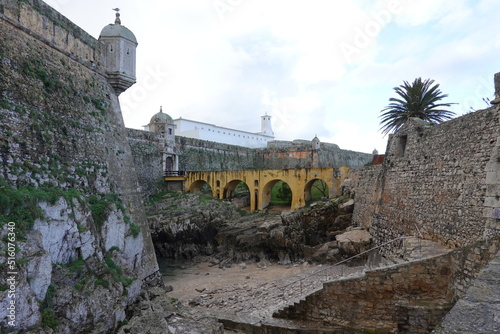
49	318
134	229
116	271
21	205
102	282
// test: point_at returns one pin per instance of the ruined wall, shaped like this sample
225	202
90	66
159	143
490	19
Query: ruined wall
362	185
147	160
407	298
67	179
441	179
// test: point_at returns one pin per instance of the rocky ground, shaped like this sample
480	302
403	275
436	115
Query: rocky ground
254	290
184	226
200	293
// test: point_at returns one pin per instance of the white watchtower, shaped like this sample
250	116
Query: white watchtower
265	128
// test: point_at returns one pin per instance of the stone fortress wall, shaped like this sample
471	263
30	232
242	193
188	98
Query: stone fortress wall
64	152
440	179
147	160
202	155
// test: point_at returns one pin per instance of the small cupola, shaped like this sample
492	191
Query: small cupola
119	54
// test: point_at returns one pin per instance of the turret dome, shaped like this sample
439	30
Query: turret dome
161	117
117	30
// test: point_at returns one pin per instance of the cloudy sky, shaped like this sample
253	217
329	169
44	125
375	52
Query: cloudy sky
319	67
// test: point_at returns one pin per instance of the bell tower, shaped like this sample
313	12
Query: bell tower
119	54
265	127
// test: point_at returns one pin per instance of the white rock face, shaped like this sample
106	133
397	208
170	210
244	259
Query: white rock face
87	241
66	233
132	251
39	267
113	231
59	232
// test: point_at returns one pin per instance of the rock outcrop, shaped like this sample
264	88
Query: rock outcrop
182	226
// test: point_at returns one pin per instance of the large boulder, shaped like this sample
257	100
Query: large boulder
354	242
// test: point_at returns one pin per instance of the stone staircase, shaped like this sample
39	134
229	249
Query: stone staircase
297	288
293	290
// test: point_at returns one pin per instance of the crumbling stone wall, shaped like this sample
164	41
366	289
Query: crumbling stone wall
407	298
362	185
68	172
439	179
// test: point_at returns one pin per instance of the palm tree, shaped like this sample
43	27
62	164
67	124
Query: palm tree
420	99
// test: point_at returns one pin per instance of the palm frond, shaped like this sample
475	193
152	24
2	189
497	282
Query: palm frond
420	99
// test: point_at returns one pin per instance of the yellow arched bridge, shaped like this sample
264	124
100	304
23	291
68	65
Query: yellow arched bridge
261	182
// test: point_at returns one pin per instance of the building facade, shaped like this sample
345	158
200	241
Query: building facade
215	133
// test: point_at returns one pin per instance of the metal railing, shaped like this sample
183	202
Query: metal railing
325	270
175	173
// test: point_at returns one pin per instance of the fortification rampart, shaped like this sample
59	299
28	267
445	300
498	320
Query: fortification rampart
53	29
147	160
202	155
438	180
67	178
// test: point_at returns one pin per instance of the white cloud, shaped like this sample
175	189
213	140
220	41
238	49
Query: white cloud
352	136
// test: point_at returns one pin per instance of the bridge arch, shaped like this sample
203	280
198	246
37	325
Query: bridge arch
267	192
239	193
315	187
200	186
231	186
260	183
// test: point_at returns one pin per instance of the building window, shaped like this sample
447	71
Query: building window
169	131
256	183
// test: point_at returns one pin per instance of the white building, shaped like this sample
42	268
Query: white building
211	132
